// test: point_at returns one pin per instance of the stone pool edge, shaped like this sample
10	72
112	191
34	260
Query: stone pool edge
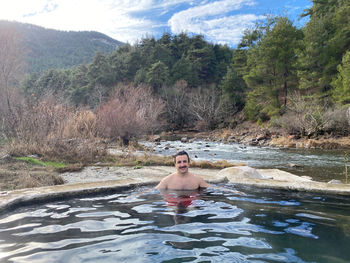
275	179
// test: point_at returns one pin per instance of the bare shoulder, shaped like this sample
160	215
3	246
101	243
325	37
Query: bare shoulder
164	182
201	182
197	177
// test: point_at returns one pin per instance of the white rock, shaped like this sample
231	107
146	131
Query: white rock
334	181
238	172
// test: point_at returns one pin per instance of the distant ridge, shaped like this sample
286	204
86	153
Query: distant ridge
49	48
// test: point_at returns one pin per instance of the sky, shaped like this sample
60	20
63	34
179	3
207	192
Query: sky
219	21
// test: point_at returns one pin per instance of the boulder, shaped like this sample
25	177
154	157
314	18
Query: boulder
240	172
155	138
231	139
246	173
253	142
260	137
299	145
334	181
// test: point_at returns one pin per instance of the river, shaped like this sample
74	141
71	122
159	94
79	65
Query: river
321	165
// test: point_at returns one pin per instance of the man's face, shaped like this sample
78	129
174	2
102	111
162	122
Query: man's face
182	164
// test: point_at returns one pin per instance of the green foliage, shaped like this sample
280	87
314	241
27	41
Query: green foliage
272	72
35	161
182	70
158	63
157	75
258	110
56	82
341	84
326	39
234	88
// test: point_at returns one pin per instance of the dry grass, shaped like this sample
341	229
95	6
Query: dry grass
129	159
215	165
81	124
71	151
55	132
31	180
18	175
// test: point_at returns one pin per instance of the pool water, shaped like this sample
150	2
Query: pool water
212	225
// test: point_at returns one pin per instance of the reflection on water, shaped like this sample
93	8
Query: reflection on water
321	165
187	226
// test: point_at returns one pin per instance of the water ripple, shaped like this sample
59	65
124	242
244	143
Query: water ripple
214	227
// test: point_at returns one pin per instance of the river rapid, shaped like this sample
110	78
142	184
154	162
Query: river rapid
321	165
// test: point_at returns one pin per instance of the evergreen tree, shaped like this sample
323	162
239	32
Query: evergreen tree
327	38
272	69
182	70
99	71
341	83
234	87
157	75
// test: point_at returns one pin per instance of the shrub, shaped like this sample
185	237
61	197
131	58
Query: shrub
338	121
341	84
131	112
307	116
81	124
208	107
177	112
54	132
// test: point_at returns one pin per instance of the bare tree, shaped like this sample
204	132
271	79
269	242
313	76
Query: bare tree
131	112
177	105
12	57
208	107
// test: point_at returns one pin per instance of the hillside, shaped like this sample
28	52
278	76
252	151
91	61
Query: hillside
48	48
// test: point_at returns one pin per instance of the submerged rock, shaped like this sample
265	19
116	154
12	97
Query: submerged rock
333	181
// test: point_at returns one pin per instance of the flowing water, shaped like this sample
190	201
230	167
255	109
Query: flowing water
321	165
208	226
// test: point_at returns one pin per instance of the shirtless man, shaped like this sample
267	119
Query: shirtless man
182	179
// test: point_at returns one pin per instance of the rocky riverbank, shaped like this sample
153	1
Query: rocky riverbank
16	175
251	134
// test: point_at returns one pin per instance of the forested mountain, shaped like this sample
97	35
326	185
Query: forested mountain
157	63
49	48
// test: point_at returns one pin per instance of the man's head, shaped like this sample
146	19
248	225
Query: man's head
180	154
182	162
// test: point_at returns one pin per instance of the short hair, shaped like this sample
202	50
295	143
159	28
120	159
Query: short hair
181	153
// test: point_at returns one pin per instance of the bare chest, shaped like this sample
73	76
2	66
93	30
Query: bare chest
178	183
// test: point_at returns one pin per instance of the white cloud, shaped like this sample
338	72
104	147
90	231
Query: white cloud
124	20
15	9
227	30
208	20
111	17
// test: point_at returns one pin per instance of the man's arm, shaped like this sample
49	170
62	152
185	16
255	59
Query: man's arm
163	184
203	183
